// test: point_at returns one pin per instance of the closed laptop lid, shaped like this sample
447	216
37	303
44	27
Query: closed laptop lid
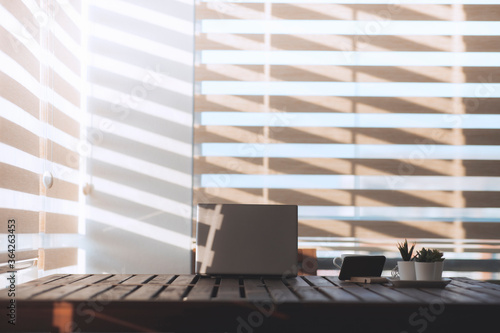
239	239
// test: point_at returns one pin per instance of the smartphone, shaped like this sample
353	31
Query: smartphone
364	266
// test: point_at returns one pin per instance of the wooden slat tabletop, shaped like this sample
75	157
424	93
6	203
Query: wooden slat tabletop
118	300
149	287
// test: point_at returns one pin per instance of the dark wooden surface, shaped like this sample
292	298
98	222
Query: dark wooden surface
170	303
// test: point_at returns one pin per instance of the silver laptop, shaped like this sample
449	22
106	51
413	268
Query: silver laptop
237	239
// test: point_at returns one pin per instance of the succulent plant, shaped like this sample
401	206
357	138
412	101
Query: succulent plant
429	255
436	255
406	253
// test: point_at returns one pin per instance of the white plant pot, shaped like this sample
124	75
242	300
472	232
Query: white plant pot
406	270
424	271
438	270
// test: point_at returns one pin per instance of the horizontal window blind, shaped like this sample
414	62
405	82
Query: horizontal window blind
379	119
40	129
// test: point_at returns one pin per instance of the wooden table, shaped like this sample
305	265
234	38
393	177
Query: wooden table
171	303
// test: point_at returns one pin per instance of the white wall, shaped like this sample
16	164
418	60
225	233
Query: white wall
140	105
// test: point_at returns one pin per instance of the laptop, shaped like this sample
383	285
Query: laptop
239	239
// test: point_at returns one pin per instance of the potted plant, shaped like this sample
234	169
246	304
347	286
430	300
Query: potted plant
429	264
424	266
406	267
437	258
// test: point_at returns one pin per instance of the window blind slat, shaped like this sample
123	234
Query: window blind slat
20	255
61	224
375	198
18	179
325	166
63	190
21	96
58	257
344	43
217	72
18	137
27	222
405	104
347	135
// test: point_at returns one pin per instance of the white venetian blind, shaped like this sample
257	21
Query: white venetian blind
380	120
40	115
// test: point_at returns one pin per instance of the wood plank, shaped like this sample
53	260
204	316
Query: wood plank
46	279
69	279
471	282
144	292
335	280
59	292
482	297
319	281
87	292
296	282
339	294
279	291
95	278
138	279
364	294
116	279
255	290
115	293
492	292
229	289
417	294
202	290
485	288
466	283
162	279
183	280
310	294
27	291
450	295
173	293
392	294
